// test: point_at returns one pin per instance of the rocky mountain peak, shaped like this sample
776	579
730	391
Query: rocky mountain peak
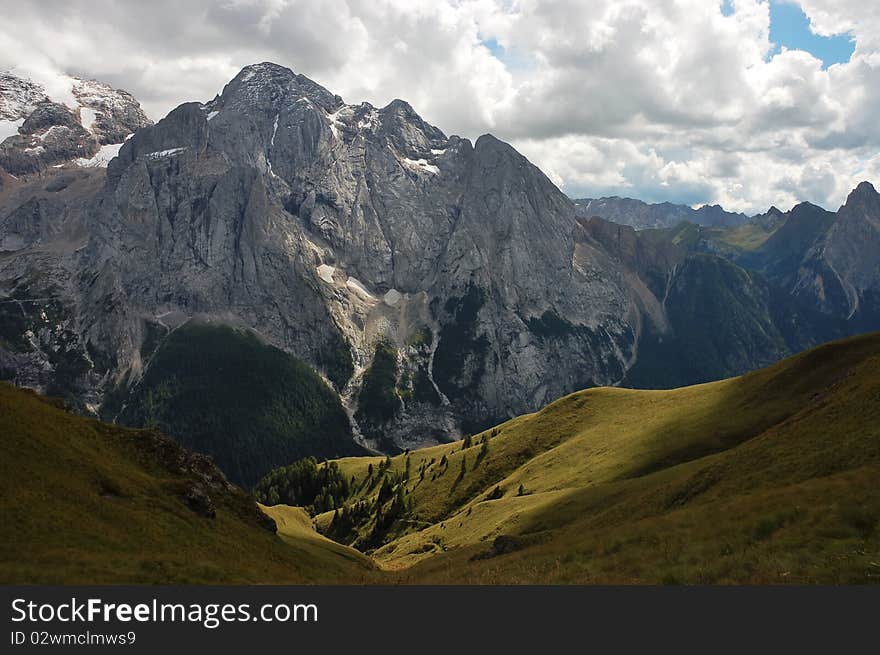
805	209
864	197
109	114
271	87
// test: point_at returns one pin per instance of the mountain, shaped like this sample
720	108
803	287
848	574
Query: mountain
439	286
85	127
840	271
642	215
85	502
327	228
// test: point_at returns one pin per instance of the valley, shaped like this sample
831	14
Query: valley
765	478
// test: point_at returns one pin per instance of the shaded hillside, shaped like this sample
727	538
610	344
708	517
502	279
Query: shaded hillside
706	318
766	478
87	502
724	320
249	405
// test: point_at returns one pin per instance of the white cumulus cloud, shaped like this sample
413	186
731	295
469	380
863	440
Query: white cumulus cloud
668	100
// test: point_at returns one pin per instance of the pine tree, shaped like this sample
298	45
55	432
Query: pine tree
385	491
463	470
484	450
272	497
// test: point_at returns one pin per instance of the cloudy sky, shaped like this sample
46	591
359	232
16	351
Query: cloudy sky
745	103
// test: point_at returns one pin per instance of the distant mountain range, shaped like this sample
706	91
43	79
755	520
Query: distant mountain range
642	215
420	286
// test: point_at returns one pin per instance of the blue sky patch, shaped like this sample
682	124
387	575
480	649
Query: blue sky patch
495	48
512	59
790	28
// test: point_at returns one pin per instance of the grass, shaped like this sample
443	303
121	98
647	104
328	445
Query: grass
86	502
295	529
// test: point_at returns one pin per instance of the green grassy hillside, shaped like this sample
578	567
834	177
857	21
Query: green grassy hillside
87	502
251	406
769	477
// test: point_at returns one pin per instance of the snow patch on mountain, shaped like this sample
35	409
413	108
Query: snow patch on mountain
325	272
159	154
355	285
88	117
421	165
9	128
392	297
334	120
100	158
